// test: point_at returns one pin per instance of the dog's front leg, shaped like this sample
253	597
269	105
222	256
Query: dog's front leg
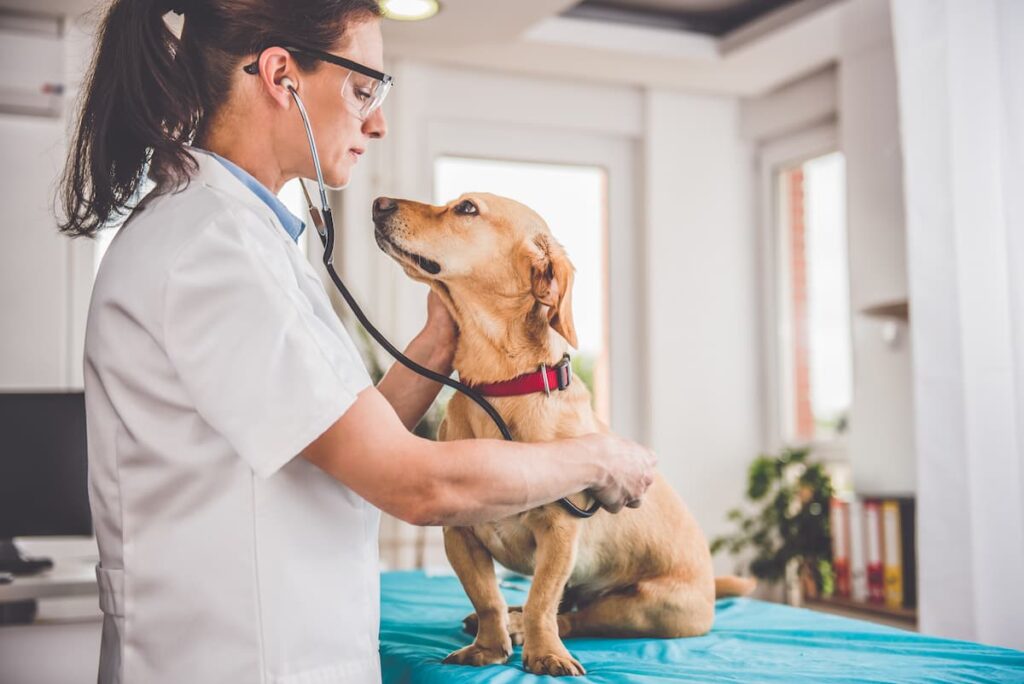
475	567
556	535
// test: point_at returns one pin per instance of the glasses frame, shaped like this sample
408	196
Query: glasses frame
253	68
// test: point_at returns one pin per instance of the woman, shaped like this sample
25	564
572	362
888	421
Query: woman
239	454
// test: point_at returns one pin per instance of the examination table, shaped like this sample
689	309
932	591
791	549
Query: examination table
752	641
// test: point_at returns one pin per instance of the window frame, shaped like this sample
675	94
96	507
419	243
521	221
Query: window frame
623	307
774	156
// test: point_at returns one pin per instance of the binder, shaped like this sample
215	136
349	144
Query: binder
838	514
873	546
892	554
908	541
858	562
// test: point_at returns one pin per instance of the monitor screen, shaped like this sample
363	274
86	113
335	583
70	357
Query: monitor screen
43	466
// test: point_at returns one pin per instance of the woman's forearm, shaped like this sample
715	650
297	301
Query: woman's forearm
480	480
411	394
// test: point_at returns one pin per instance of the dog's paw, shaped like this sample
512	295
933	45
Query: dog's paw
471	624
478	655
551	660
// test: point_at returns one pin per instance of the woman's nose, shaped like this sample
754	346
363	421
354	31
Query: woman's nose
375	125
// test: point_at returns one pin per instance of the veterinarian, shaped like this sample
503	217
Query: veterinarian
239	454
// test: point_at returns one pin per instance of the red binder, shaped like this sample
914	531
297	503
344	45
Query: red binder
839	520
873	535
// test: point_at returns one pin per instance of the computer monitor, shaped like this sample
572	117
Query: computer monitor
43	472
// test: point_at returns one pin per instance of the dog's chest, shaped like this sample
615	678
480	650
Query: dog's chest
510	542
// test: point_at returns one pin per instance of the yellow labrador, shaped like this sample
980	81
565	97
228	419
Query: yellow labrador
644	572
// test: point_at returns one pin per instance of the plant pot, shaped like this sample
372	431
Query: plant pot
770	591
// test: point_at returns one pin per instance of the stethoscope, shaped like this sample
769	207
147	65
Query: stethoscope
324	223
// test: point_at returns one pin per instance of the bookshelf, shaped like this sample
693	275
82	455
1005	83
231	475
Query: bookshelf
874	554
907	617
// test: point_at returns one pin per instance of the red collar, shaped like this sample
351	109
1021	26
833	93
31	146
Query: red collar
545	379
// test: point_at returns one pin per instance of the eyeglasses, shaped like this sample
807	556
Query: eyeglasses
363	90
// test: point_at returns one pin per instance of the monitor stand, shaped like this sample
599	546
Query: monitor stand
13	562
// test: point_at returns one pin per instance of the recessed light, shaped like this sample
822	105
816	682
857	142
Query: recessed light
409	10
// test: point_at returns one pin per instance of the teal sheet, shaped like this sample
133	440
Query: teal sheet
752	641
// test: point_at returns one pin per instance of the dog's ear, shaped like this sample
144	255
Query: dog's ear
551	276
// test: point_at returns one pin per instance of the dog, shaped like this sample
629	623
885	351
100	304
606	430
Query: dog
643	572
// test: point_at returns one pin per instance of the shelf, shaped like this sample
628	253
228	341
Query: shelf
908	615
898	309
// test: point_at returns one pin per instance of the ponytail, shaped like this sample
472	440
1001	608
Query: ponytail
148	91
141	104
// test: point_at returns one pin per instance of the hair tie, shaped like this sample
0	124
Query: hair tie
179	7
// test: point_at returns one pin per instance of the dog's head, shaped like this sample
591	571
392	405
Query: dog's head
481	250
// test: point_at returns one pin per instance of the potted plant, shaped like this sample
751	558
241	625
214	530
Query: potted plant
787	524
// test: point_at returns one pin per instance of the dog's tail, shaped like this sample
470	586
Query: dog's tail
730	585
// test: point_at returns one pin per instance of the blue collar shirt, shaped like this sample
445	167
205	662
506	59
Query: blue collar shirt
292	224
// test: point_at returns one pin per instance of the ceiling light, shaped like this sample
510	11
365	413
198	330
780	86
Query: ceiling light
409	10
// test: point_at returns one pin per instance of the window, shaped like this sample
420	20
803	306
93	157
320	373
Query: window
292	197
572	200
813	307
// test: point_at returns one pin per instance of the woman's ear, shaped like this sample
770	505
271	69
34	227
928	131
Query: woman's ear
551	276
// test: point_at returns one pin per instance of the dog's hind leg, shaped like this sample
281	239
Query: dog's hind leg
662	608
475	567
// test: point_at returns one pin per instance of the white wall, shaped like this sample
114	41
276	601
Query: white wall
34	309
859	96
701	302
44	277
881	416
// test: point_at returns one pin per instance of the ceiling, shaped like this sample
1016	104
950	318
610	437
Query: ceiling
713	17
549	37
767	43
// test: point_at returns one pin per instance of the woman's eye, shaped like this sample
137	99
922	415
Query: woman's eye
466	207
363	94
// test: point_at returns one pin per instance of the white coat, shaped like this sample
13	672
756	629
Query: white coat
212	358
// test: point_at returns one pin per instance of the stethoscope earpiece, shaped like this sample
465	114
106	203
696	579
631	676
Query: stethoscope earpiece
288	83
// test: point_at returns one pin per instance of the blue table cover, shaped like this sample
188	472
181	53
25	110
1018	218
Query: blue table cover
752	641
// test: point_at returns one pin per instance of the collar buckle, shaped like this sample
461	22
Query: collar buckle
564	369
563	374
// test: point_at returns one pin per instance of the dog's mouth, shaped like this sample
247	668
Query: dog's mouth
428	265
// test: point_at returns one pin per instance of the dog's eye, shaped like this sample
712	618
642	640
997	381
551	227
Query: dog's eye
466	207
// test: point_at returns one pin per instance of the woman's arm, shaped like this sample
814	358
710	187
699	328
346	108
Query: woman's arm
471	481
410	394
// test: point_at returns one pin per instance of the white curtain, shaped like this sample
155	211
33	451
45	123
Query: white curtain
960	65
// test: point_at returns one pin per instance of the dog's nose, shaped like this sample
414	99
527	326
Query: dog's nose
382	206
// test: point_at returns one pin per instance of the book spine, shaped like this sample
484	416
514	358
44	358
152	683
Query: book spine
840	546
908	540
892	559
858	563
873	539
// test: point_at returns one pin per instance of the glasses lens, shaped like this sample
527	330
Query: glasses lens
363	94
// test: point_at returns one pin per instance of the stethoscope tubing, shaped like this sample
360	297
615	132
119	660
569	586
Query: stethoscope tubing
324	222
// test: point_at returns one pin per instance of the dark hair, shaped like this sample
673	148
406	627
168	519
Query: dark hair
148	92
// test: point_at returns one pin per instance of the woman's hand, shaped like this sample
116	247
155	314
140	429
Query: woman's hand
629	469
440	333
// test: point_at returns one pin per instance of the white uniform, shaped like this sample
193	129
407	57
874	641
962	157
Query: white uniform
212	358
